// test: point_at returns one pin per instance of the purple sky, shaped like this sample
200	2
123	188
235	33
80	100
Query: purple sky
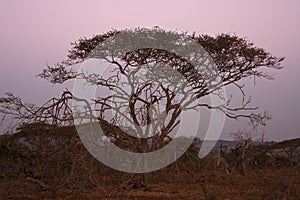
35	32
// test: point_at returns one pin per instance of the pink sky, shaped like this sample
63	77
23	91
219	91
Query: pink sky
35	32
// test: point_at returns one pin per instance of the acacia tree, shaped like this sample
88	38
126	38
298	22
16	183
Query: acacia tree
235	58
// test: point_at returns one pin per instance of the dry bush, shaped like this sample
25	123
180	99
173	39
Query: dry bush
54	159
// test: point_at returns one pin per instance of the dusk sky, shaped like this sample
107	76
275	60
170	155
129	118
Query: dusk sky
34	33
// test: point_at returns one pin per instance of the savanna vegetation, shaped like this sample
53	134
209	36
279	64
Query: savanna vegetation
45	162
46	159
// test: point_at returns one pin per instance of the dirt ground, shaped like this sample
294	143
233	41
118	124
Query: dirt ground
270	184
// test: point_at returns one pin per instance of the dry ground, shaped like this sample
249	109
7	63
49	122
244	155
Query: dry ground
270	184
